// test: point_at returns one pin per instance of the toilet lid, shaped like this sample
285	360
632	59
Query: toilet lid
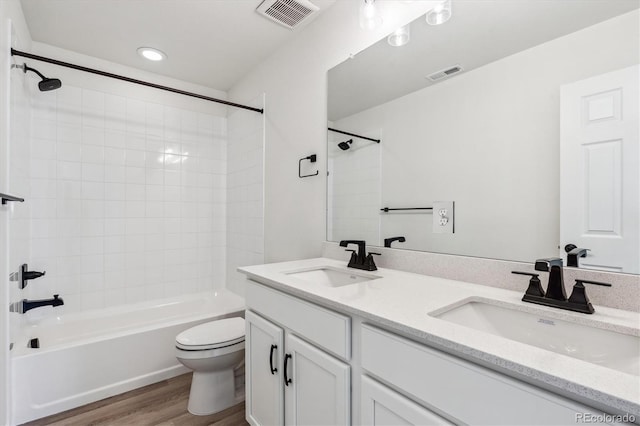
211	335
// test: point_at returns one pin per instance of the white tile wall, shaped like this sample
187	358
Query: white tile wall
128	199
354	190
245	217
20	168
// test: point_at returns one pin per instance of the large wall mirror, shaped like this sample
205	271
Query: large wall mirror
508	132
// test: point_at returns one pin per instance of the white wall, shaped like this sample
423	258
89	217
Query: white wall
245	192
127	187
13	33
353	188
295	82
488	139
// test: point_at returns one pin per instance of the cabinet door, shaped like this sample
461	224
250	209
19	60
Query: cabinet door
319	391
383	406
263	359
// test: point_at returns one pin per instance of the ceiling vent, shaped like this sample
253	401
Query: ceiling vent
445	73
288	13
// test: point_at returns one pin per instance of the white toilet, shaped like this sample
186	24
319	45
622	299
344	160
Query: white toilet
212	350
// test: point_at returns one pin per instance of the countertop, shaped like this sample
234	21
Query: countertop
402	301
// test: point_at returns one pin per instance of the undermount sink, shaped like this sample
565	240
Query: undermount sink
595	345
330	276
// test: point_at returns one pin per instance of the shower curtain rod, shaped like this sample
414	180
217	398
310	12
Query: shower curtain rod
15	52
354	135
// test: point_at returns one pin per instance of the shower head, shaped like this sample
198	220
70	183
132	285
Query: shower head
345	145
49	84
46	84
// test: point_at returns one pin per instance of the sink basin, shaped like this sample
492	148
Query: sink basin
330	276
602	347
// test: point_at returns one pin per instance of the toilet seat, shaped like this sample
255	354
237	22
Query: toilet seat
212	335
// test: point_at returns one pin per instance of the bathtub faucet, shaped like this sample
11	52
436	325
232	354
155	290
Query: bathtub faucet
26	305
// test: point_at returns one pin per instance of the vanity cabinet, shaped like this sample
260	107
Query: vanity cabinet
299	366
461	391
289	380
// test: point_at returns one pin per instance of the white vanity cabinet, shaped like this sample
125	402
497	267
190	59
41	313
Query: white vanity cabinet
463	392
289	380
398	381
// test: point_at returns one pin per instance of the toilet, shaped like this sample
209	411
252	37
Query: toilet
212	350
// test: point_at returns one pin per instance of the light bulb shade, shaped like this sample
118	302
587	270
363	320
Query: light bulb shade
440	13
400	37
370	18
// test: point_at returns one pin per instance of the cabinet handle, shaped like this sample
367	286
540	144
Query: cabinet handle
274	370
286	379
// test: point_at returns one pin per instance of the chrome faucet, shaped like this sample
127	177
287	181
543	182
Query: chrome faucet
555	295
360	259
26	305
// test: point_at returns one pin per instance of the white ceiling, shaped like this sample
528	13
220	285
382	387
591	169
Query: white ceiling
479	32
209	42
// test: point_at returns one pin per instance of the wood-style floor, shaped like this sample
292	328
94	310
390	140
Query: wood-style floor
163	403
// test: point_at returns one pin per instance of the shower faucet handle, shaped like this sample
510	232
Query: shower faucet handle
26	275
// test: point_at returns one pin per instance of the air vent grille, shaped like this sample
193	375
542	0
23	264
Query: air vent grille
289	13
445	73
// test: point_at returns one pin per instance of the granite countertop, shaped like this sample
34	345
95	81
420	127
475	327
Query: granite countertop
402	301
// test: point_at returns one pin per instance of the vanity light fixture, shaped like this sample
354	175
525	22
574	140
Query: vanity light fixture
370	18
440	13
400	37
151	54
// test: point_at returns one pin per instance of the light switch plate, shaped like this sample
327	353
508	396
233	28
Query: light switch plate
443	217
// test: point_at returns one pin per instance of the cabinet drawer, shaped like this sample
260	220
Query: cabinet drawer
465	392
383	406
327	329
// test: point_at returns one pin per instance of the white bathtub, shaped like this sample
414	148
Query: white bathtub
89	356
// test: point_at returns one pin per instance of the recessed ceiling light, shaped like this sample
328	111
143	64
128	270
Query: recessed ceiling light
151	54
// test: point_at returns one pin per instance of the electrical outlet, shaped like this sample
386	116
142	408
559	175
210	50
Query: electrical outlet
443	217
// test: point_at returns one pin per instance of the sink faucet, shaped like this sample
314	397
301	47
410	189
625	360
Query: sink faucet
555	295
26	305
388	241
555	288
573	253
360	259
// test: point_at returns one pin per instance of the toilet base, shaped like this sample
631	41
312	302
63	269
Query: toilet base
211	392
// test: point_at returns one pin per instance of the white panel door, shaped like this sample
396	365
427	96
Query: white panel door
319	391
382	406
600	170
263	365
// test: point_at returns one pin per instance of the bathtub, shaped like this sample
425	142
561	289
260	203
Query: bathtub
88	356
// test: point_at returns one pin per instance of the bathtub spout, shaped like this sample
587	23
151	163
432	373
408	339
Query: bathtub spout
26	305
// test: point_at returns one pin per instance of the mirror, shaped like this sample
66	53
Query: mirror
521	117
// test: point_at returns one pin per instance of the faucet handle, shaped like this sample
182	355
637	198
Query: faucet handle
535	286
369	263
580	282
579	298
353	257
